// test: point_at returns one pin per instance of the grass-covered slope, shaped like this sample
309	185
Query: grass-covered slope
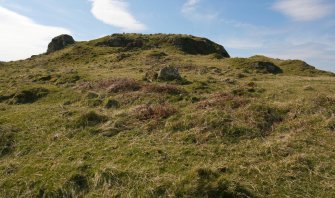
82	121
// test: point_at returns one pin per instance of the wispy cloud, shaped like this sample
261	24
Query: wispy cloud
190	6
21	37
116	13
191	10
304	10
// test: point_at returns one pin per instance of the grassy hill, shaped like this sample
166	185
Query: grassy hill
91	120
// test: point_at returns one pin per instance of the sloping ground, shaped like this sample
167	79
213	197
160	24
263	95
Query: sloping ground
82	121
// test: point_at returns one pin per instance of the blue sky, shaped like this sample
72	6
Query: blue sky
288	29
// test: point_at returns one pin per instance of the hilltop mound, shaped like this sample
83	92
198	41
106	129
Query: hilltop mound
161	48
185	43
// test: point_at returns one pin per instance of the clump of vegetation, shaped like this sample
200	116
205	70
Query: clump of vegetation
150	76
67	78
92	99
324	104
114	85
264	117
111	103
123	84
77	183
331	124
90	119
203	182
7	140
110	177
159	111
229	118
168	89
43	78
157	54
29	95
122	56
247	91
223	100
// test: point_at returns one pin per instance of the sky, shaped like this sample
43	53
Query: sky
286	29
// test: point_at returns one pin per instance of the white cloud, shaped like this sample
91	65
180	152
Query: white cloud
190	6
304	10
116	13
190	10
21	37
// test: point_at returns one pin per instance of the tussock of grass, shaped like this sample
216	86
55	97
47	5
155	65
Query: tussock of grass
78	183
68	78
112	85
204	182
89	119
111	103
7	140
331	124
168	89
145	112
223	100
157	54
29	96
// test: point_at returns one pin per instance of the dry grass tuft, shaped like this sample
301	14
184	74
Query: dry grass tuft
119	85
222	100
160	111
168	89
115	85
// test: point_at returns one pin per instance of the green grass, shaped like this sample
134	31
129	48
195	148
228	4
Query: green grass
96	128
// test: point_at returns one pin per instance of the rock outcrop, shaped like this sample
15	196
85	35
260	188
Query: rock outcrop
118	40
169	73
202	46
185	43
267	67
60	42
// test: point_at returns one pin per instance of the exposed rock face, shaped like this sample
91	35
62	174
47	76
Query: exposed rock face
169	73
267	67
185	43
202	46
121	41
60	42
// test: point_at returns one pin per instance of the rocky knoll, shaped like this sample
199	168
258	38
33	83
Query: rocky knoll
60	42
185	43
